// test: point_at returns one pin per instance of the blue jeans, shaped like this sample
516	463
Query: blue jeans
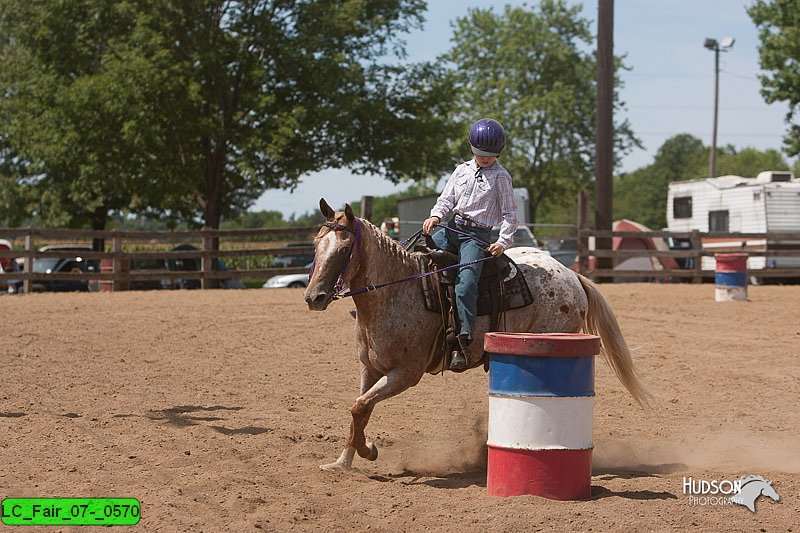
467	277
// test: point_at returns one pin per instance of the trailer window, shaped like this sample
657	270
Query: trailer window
682	207
718	220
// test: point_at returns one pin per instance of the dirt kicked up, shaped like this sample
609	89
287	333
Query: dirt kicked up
214	409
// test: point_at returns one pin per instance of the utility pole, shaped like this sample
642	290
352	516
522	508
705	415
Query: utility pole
712	157
604	131
716	47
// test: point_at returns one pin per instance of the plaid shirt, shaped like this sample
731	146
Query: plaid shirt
483	195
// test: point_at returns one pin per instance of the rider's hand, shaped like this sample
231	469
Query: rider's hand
496	249
429	224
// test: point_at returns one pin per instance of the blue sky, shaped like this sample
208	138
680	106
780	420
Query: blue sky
669	89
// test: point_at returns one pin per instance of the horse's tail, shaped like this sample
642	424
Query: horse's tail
600	320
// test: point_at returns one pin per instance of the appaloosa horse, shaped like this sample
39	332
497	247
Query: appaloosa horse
396	335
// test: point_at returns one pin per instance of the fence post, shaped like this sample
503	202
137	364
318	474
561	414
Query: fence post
29	248
206	261
116	263
366	207
697	247
583	225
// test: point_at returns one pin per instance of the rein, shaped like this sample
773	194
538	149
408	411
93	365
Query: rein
369	288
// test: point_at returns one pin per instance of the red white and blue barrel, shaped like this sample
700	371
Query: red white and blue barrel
541	401
730	276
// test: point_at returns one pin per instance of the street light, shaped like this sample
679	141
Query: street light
717	47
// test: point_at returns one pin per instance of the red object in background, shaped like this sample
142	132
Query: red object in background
7	263
636	243
731	262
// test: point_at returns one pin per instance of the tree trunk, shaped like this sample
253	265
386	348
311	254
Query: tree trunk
215	168
533	206
99	221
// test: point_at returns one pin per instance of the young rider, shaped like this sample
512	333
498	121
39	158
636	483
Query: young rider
480	194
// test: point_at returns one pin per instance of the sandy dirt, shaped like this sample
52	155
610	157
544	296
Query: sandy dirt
215	408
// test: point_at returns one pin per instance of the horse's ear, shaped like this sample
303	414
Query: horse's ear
326	210
348	212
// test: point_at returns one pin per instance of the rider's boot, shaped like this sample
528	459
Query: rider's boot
458	361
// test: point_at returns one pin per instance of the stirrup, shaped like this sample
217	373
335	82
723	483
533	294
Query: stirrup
458	362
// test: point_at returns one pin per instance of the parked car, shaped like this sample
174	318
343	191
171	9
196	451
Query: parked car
193	264
522	237
565	251
292	260
189	264
53	265
284	281
288	281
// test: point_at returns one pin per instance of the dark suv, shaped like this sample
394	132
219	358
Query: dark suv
53	265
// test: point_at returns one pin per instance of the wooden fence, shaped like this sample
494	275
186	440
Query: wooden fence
771	245
126	249
117	257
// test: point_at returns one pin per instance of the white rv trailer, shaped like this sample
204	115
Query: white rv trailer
769	203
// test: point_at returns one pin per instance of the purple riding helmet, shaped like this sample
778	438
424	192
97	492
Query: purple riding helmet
487	137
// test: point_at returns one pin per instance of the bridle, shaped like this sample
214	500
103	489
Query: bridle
340	286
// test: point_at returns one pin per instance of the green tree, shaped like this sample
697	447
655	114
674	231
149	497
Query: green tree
534	71
778	23
189	110
57	114
256	219
748	162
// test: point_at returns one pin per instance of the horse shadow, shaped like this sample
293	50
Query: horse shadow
454	480
599	492
634	472
185	416
637	471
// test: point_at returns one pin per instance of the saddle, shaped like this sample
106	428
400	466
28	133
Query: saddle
501	287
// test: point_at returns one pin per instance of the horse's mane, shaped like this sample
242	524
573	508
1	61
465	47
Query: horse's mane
390	246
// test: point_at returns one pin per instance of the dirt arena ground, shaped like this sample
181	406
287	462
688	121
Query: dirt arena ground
215	409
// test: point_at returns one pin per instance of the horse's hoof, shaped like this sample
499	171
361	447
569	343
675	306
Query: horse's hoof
373	452
335	467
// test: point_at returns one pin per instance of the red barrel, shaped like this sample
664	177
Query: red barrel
730	276
731	262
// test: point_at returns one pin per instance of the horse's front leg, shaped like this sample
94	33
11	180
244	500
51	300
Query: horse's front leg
393	383
345	460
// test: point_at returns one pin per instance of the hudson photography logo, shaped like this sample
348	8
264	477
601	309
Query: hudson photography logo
743	491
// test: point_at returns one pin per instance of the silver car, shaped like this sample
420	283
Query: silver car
284	281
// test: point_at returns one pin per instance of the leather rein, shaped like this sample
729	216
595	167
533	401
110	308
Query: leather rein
340	286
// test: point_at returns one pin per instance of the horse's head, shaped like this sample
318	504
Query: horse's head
333	252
